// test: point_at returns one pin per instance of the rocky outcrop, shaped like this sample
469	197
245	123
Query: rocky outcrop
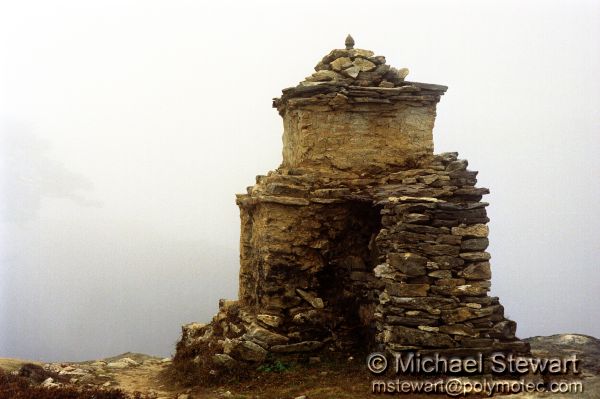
586	348
362	238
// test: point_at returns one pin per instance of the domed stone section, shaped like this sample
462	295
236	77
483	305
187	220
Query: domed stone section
356	113
363	238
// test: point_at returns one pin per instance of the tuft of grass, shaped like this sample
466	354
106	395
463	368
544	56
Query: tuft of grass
276	366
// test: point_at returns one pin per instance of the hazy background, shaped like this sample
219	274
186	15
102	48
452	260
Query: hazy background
128	126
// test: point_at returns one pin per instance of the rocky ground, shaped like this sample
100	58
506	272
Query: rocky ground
134	372
585	347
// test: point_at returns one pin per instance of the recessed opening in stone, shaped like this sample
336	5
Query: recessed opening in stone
349	261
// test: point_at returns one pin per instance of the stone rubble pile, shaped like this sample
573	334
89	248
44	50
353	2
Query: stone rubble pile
357	67
347	77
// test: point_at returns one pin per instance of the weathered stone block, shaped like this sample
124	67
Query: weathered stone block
475	256
474	244
407	290
244	350
305	346
477	271
255	332
464	313
269	320
476	230
415	337
408	263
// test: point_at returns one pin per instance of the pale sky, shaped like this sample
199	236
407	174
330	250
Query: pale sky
126	128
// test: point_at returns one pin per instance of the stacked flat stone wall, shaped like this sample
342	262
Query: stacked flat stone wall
391	262
436	270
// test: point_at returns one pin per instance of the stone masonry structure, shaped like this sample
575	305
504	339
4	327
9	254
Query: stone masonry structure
362	238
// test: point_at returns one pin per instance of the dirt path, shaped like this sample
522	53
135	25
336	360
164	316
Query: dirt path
144	378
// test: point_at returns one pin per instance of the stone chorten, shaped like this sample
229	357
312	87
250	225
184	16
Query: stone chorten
362	238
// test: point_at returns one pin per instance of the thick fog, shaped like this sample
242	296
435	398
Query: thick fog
127	127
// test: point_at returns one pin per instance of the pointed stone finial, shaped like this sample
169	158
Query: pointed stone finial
349	42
